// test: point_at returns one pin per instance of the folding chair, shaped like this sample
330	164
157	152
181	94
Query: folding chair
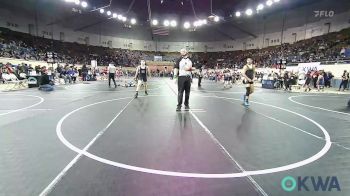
12	82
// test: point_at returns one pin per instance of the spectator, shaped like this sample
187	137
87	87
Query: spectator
45	82
344	80
342	52
320	81
75	75
84	72
63	74
69	75
328	76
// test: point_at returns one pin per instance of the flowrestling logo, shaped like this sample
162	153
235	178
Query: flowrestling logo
310	183
324	13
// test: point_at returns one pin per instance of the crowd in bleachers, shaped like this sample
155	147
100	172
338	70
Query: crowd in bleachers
23	46
330	47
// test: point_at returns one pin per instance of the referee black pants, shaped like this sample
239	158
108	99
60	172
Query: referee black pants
199	81
184	84
111	76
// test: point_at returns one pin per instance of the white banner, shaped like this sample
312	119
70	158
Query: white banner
158	58
305	67
93	63
293	69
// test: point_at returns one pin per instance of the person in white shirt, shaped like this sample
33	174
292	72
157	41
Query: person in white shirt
342	52
111	72
182	71
227	78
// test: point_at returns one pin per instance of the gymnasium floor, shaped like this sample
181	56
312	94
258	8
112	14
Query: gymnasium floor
87	139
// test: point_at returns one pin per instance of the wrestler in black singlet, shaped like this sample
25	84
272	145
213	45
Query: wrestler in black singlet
250	73
143	74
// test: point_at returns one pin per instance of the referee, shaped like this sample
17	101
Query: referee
111	72
182	70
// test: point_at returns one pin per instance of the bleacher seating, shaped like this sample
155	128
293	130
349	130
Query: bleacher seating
24	46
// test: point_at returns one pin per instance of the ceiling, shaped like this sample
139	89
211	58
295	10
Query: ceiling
296	12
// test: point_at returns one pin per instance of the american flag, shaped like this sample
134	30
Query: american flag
160	31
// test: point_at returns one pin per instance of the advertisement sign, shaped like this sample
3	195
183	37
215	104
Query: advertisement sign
305	67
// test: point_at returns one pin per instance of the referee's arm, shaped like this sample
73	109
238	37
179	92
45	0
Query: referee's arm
176	68
193	66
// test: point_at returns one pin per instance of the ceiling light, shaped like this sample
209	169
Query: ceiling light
114	15
109	13
187	25
173	23
166	23
77	2
102	11
276	1
133	21
154	22
216	18
269	3
84	4
249	12
238	14
120	17
204	21
124	19
260	7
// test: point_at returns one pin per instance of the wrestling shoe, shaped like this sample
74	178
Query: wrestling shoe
178	108
246	103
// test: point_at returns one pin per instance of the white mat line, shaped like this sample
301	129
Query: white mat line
216	141
53	183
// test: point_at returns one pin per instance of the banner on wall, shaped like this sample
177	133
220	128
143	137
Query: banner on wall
293	69
93	63
158	58
306	67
